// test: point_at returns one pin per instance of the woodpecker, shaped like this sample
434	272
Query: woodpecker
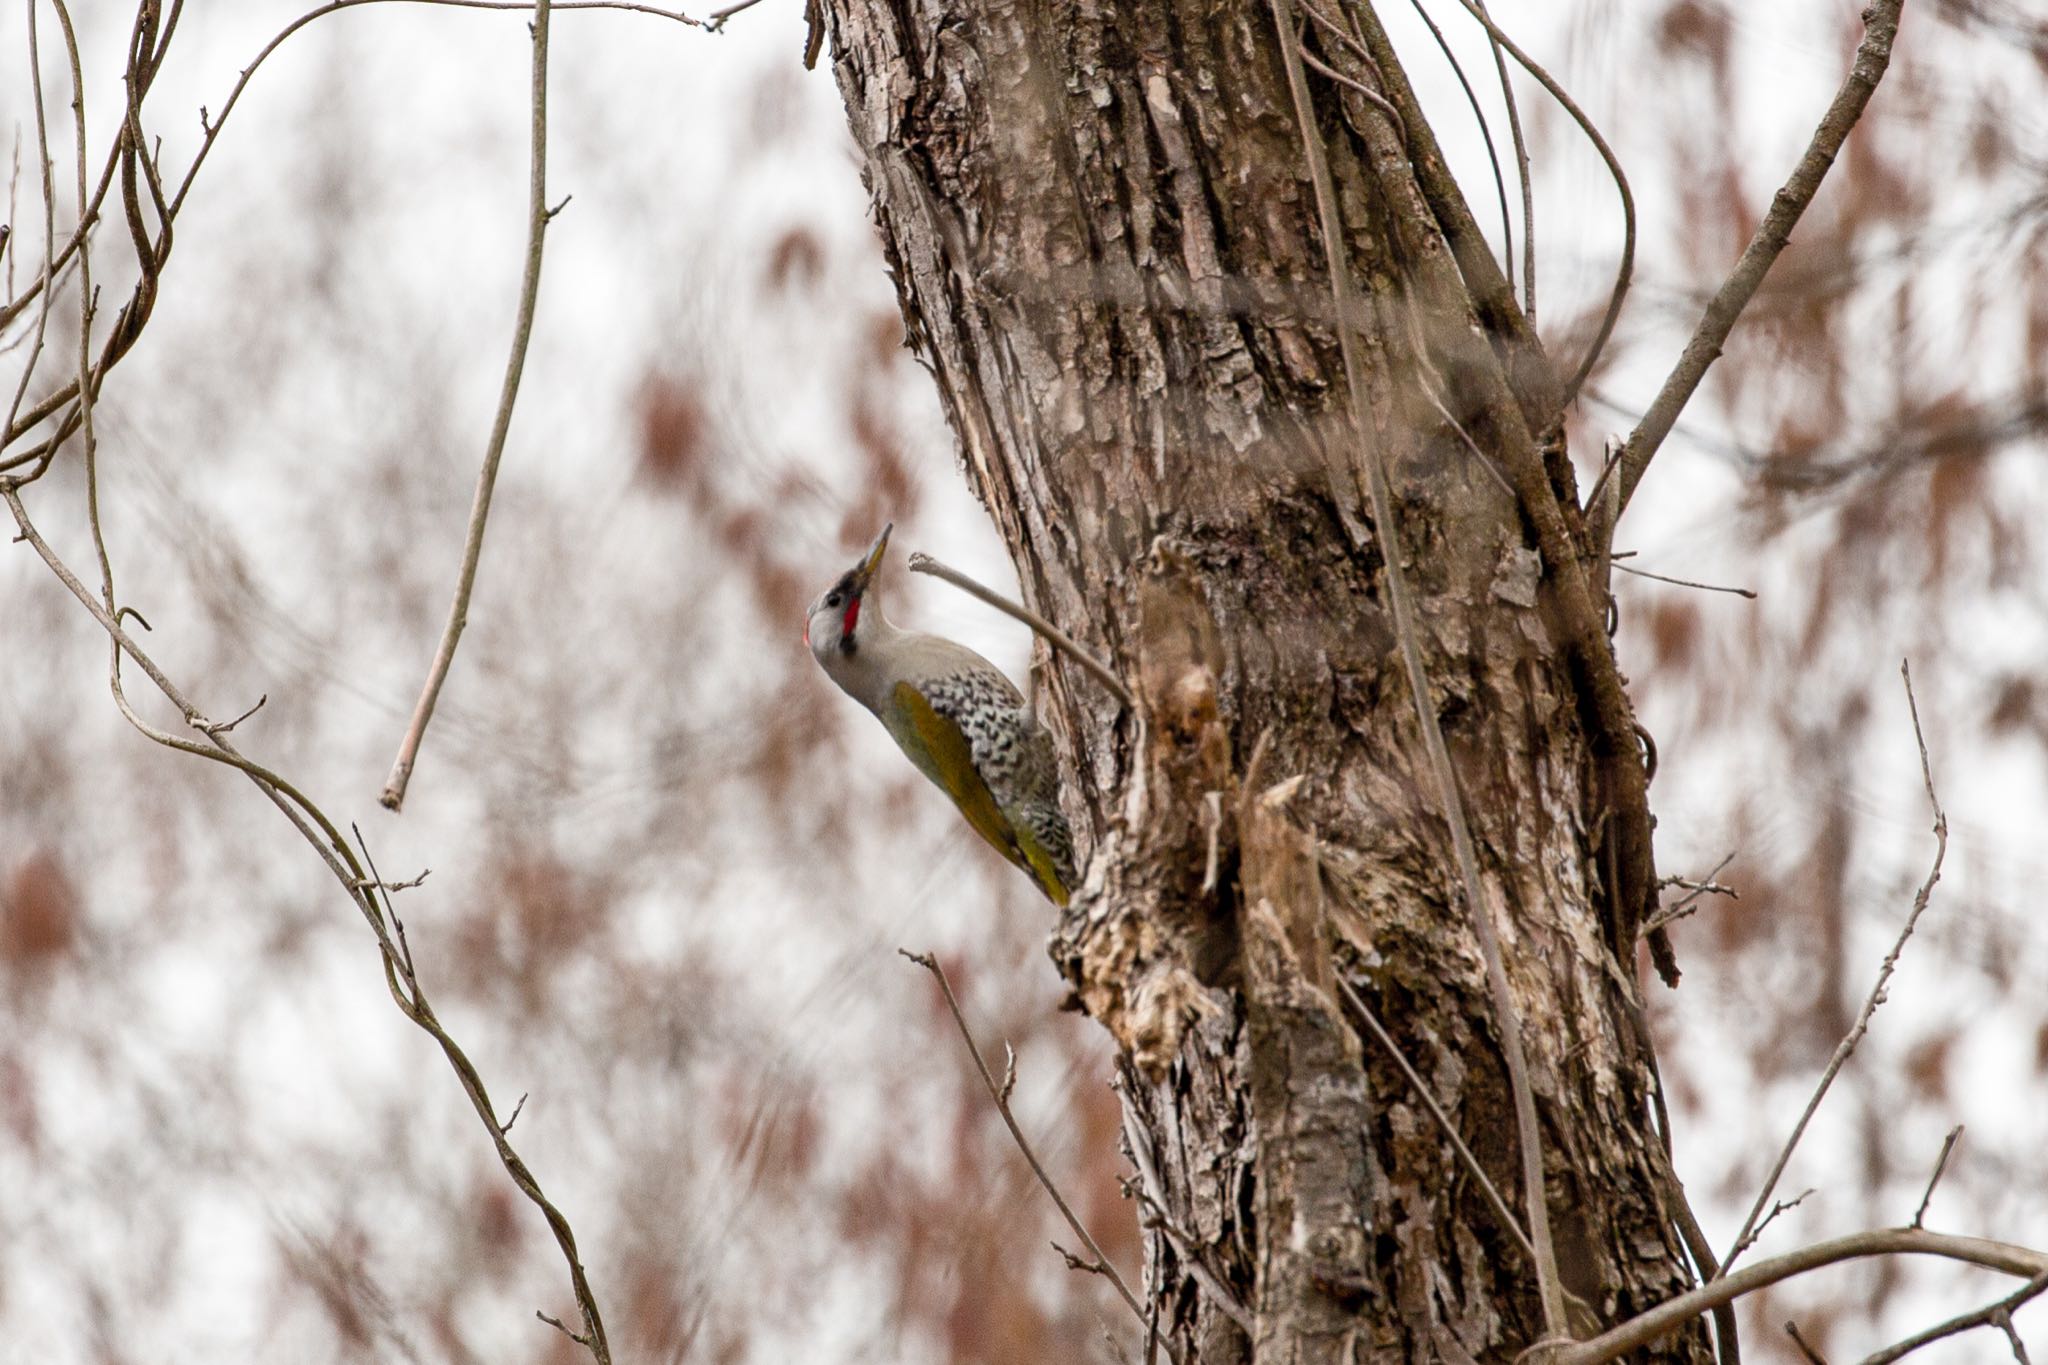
955	715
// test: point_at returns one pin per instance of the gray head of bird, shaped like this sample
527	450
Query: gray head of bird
846	614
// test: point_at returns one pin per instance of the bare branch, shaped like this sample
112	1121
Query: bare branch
1094	667
1507	219
1990	1315
1707	887
1507	94
537	217
1506	1021
1628	201
1948	1145
1674	1313
1873	55
1778	1206
1847	1046
999	1092
1684	582
318	830
1813	1357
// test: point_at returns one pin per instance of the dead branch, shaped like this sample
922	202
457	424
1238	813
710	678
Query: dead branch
1847	1046
1873	55
1990	1315
1065	643
1674	1313
537	218
999	1092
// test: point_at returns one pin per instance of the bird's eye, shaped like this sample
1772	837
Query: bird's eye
832	599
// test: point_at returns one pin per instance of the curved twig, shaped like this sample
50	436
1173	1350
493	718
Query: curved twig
319	831
1674	1313
122	335
1500	184
1628	201
1986	1316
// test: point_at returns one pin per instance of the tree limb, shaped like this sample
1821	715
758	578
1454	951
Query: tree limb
1674	1313
1873	55
537	216
1876	997
1986	1316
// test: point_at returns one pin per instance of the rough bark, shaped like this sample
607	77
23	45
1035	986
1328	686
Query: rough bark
1105	247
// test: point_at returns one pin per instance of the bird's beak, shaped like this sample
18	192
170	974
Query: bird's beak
865	574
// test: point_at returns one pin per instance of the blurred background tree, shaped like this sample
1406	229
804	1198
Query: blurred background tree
670	866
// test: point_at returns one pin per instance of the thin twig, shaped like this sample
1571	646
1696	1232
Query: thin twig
1877	992
997	1093
320	832
1628	202
1443	1120
718	17
1948	1145
1778	1206
1685	582
2002	1320
1813	1356
1873	55
1331	28
35	65
1500	186
1485	460
1679	911
1371	96
1675	1312
1989	1315
556	1323
1506	1020
537	217
1507	94
1095	668
61	403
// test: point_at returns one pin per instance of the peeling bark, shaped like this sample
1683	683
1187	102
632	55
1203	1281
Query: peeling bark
1106	250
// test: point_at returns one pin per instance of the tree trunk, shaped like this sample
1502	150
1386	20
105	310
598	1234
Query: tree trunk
1106	248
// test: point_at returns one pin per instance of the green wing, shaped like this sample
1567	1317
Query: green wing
943	754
